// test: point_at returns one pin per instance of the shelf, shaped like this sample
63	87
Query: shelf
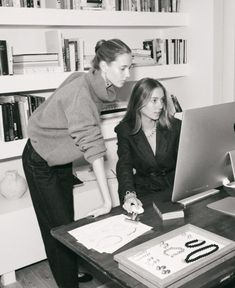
11	149
15	148
10	16
31	82
47	81
159	71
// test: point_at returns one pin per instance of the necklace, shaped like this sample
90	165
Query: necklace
194	243
189	257
152	132
173	251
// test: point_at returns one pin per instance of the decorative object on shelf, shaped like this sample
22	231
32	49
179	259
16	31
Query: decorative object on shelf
13	185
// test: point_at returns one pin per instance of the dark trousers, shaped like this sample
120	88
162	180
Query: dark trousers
51	193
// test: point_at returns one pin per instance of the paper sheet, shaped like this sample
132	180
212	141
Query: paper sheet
110	234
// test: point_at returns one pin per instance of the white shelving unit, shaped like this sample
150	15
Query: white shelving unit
46	81
12	21
67	18
11	149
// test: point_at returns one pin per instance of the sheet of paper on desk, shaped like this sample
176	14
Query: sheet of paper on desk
110	234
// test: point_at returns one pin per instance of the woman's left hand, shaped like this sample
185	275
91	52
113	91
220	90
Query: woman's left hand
104	209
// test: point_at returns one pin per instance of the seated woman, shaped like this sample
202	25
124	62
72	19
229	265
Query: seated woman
148	138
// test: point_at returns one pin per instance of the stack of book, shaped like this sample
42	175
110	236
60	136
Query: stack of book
167	51
15	111
36	63
141	57
21	3
148	5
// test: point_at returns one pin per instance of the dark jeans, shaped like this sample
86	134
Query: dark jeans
51	193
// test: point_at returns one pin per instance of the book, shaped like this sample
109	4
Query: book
4	69
55	44
150	45
10	58
2	137
76	50
176	103
168	210
37	57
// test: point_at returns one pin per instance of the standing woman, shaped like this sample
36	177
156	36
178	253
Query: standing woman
148	138
65	128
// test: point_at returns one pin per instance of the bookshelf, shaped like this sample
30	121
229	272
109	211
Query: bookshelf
30	25
37	20
47	81
69	18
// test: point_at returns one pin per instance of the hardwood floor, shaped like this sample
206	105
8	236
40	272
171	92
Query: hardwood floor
39	276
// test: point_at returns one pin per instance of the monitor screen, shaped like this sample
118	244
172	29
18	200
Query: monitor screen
207	135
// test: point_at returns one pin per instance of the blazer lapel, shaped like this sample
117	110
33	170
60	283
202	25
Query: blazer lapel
144	147
162	141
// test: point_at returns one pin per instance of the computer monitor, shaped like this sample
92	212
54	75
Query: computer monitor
207	135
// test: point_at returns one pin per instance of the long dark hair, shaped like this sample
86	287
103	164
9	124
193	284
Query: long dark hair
108	51
141	94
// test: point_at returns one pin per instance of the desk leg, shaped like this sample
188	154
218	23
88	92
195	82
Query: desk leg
8	278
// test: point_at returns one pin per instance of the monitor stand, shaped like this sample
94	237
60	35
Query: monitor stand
197	197
226	205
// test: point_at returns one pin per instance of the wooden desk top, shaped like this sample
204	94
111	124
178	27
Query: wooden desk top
197	214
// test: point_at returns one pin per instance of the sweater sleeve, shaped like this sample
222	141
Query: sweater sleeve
84	126
124	166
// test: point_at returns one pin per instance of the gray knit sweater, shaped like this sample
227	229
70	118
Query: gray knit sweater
66	126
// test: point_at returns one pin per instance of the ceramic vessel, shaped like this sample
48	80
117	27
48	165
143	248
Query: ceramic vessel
13	186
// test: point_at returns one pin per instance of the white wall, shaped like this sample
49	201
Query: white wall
198	88
228	51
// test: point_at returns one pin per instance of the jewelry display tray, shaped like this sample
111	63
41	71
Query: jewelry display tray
160	262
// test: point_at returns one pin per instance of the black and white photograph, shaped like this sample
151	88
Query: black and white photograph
117	143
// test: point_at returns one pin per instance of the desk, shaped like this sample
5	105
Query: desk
197	214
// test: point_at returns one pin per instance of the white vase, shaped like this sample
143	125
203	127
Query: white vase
13	186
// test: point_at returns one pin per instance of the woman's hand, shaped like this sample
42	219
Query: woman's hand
104	209
132	204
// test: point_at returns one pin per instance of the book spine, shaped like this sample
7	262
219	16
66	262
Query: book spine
4	69
12	123
17	121
67	54
2	136
16	3
176	103
23	121
10	58
72	56
5	117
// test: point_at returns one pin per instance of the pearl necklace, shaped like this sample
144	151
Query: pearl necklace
152	132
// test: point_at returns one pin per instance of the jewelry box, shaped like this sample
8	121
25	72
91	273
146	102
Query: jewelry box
176	257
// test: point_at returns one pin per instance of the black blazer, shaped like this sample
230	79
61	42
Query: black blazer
138	169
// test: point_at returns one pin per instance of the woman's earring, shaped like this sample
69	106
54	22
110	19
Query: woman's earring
107	82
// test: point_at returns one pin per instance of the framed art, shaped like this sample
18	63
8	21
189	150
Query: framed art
176	257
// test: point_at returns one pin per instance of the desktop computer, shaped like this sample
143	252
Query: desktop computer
207	136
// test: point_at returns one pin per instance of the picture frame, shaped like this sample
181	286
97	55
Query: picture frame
161	262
